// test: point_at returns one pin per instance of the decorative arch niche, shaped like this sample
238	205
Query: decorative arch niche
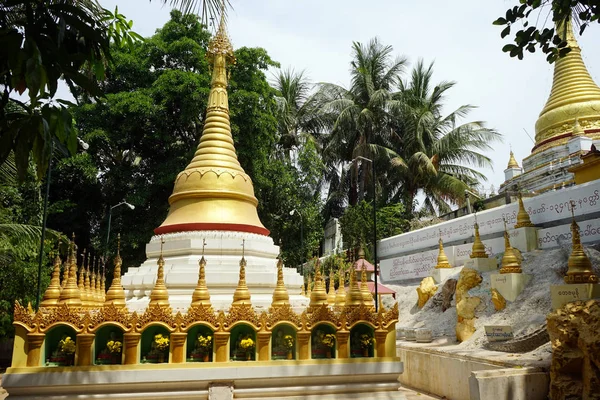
321	335
362	341
109	338
239	333
150	351
196	352
282	336
53	355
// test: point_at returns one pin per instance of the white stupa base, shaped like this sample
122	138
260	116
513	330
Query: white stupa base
223	251
568	293
525	239
510	285
440	275
482	264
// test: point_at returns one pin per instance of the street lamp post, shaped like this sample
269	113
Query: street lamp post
123	203
374	224
301	240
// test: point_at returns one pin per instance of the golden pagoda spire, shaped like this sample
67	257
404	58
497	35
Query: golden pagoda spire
98	293
103	284
340	297
214	192
159	295
354	296
364	288
309	286
87	290
510	262
574	94
442	259
66	267
522	216
512	162
580	266
478	249
242	293
70	295
52	294
116	293
93	297
280	294
318	295
81	282
303	288
331	292
201	295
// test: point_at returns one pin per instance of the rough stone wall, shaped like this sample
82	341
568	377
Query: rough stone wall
575	334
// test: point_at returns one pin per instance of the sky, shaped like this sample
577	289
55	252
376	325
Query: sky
316	36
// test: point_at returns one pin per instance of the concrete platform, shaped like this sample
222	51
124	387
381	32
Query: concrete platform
274	379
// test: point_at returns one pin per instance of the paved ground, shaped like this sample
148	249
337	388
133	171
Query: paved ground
3	393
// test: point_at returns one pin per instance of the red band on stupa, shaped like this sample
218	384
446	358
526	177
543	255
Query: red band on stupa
201	226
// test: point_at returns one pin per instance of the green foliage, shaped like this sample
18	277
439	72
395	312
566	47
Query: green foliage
42	42
357	225
548	40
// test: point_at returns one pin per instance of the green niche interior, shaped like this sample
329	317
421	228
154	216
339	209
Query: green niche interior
108	345
362	340
151	351
53	355
200	351
240	348
323	342
283	343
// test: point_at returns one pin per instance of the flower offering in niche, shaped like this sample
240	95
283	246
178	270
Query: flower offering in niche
67	345
366	340
114	346
328	340
288	341
162	342
247	344
205	342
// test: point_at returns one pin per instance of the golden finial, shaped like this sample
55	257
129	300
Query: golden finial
340	297
522	216
81	281
574	93
442	259
116	293
364	288
510	262
331	293
309	286
280	294
580	266
103	284
354	296
86	287
512	162
94	294
70	295
98	293
66	267
242	293
159	295
201	295
52	294
478	250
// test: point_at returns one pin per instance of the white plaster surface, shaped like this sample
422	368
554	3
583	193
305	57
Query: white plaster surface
524	239
509	286
482	264
568	293
440	275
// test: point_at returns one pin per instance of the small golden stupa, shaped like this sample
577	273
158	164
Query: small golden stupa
280	294
523	219
364	288
66	267
159	295
340	296
52	294
512	162
201	296
580	266
116	293
87	290
478	249
241	295
70	295
213	192
331	293
318	295
81	282
354	296
442	259
510	262
309	286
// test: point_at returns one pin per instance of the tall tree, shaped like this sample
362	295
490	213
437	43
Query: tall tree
360	117
436	153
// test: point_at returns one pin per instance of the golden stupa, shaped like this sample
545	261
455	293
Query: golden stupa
213	192
241	295
52	294
442	259
580	266
574	96
511	264
159	295
512	162
478	249
318	295
201	296
340	296
116	293
523	219
280	294
70	294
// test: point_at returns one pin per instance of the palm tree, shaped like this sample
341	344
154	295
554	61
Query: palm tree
435	154
208	9
298	118
361	117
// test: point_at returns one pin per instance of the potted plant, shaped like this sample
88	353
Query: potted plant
161	344
328	341
203	350
288	342
66	351
247	345
366	341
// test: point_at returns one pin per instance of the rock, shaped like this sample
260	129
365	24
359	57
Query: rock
465	304
498	300
448	293
575	368
425	291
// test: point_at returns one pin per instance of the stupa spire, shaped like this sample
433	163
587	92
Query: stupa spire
512	161
331	292
364	288
159	295
242	293
52	294
340	297
478	249
580	266
280	294
201	295
574	95
70	294
442	259
214	192
318	295
522	216
116	293
510	262
353	295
